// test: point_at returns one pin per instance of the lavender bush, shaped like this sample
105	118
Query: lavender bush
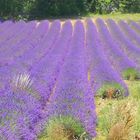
135	26
100	70
122	63
20	110
47	69
125	44
132	35
72	96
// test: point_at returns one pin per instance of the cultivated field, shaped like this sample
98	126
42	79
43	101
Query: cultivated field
70	80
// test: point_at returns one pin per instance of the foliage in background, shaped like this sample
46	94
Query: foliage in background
39	9
111	6
131	74
55	8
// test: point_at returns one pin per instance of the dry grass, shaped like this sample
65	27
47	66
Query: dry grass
60	133
21	82
62	128
116	16
122	129
119	119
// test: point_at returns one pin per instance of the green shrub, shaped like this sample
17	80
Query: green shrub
134	89
131	74
110	6
40	9
115	115
111	90
62	128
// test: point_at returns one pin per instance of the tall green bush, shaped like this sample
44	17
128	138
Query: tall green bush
55	8
39	9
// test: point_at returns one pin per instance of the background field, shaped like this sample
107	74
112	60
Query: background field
70	70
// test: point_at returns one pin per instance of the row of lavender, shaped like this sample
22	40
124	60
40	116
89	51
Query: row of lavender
48	70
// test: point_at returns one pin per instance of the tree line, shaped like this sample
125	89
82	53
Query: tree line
40	9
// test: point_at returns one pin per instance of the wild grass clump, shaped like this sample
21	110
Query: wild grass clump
121	129
21	82
131	74
111	91
134	89
118	119
62	128
137	124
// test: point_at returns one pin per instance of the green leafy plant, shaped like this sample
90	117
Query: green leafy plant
111	90
62	128
131	74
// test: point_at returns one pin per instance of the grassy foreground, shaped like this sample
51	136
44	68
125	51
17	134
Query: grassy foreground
116	16
120	119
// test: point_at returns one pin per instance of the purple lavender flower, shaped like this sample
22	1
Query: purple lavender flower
34	55
19	45
125	44
99	68
19	111
11	33
47	69
113	52
135	26
40	31
133	36
5	26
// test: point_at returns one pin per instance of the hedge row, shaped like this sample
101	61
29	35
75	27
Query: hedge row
64	8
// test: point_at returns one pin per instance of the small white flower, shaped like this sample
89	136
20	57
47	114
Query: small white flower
21	82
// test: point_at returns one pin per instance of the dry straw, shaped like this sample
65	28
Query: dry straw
125	119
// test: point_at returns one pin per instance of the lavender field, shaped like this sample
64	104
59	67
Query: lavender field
60	70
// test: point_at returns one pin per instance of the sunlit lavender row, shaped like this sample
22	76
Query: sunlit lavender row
57	69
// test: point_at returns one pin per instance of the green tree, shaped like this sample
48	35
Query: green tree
40	9
53	8
10	8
